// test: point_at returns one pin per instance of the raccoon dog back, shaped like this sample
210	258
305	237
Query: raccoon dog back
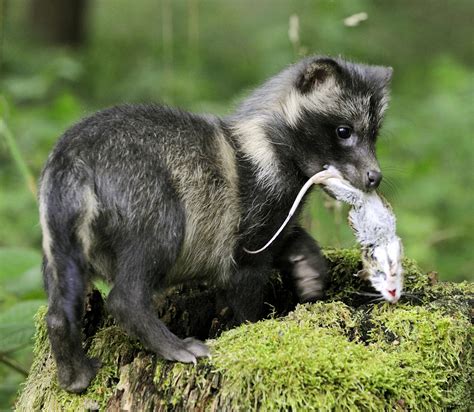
120	199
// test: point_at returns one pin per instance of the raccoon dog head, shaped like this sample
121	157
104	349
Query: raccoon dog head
335	112
320	111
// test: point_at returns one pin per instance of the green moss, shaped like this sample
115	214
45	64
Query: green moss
461	290
334	315
344	263
168	380
41	334
109	344
415	280
323	356
176	382
42	369
415	358
434	346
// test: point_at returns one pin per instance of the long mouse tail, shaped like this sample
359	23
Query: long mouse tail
312	180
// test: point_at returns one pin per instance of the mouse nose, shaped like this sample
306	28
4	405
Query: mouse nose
374	177
392	292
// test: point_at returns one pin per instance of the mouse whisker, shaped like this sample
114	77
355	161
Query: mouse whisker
366	293
411	295
376	300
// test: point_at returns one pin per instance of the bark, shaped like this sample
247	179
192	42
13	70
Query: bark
429	349
58	21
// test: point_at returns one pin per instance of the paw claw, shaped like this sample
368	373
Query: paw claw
186	351
181	355
198	348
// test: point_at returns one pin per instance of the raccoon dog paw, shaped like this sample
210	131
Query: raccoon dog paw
78	380
309	278
190	350
195	346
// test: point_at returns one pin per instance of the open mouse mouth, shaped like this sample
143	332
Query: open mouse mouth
377	297
393	300
391	295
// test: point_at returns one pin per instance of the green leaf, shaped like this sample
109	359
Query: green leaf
17	326
20	272
16	261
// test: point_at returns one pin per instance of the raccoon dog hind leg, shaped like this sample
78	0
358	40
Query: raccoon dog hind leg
69	214
64	271
151	196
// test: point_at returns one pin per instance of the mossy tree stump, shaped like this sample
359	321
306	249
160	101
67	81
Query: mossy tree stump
345	353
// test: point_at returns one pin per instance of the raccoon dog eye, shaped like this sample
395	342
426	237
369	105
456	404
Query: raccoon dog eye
344	132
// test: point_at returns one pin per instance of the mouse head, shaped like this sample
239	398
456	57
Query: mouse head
382	266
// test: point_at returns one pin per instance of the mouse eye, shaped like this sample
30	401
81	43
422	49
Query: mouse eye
344	132
380	274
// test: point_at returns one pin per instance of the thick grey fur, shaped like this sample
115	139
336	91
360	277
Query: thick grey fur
147	196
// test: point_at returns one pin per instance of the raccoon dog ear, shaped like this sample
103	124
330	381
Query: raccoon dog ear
381	75
316	72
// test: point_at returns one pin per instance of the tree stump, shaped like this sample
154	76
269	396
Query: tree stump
345	353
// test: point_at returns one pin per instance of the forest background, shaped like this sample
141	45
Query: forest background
60	61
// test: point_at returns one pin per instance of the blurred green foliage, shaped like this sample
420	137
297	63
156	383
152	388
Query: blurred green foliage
205	56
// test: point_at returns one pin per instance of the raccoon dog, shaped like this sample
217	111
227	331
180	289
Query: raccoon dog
149	196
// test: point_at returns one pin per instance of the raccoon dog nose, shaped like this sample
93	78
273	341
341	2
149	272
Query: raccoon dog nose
374	178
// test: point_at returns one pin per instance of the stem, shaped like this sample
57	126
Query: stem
167	32
18	158
2	31
12	364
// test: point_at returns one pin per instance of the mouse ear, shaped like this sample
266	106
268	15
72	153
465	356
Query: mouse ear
316	72
362	274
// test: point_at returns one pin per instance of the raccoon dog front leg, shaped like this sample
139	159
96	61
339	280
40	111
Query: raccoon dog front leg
131	304
245	293
301	258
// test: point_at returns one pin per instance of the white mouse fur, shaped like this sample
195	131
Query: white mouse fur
374	225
